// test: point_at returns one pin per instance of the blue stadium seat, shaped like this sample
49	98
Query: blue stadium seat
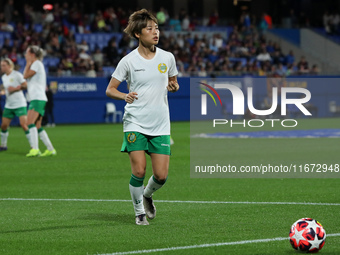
21	62
92	46
92	38
108	37
38	28
108	70
73	28
78	37
100	37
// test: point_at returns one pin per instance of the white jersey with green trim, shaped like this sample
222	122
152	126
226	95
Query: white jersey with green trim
36	85
16	99
149	114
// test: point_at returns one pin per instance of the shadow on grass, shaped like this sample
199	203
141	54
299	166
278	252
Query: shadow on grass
117	218
121	219
47	228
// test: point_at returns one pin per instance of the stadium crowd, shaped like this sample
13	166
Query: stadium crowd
245	51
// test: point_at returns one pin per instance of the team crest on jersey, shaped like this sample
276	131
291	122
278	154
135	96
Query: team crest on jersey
131	137
162	67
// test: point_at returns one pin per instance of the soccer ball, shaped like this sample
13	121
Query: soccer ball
307	235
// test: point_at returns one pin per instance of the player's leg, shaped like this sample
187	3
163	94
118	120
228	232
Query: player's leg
159	149
136	144
4	132
50	151
136	187
22	114
32	117
160	168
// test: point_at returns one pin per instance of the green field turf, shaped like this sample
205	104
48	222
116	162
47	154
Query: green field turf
78	217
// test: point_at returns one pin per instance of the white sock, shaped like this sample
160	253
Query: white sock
34	137
137	199
28	136
153	185
44	137
4	136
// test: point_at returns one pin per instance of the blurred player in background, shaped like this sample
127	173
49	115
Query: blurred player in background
35	74
16	104
150	73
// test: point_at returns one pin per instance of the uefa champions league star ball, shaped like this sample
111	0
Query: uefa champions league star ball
307	235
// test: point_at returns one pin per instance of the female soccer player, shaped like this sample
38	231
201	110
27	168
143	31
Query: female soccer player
16	104
35	74
150	72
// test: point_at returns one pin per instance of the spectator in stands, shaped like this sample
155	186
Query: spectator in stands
314	70
186	23
111	19
83	46
290	69
99	24
278	57
4	26
98	57
328	23
48	119
84	55
161	17
213	19
202	72
290	58
91	72
7	45
29	15
9	11
242	43
336	22
124	43
245	20
302	66
111	52
13	55
268	20
263	56
266	23
48	17
175	24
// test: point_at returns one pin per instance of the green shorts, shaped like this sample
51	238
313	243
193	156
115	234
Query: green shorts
135	141
11	113
38	106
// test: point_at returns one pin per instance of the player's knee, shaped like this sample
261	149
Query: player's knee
161	178
4	127
139	172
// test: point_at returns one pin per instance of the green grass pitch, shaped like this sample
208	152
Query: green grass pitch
89	170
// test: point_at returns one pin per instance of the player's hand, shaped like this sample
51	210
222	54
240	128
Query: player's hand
132	96
173	86
14	89
28	60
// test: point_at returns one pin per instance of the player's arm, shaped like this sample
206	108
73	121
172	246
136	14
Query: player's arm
12	89
2	90
112	92
23	85
28	73
173	85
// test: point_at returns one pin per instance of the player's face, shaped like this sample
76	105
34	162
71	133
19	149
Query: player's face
150	34
28	55
5	68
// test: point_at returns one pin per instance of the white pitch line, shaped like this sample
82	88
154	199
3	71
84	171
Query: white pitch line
206	245
168	201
